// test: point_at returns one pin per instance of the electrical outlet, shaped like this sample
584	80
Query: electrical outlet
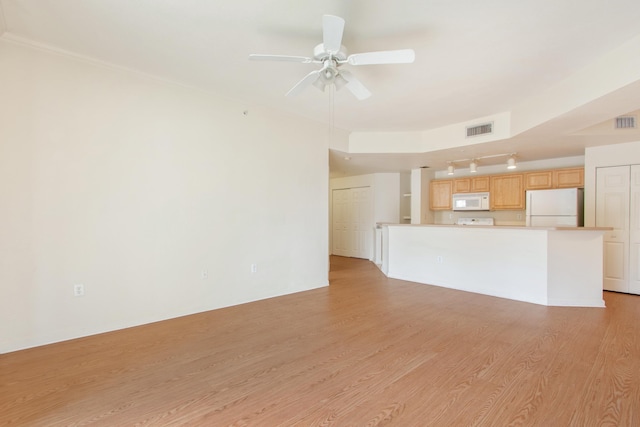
254	268
204	274
439	259
519	216
78	290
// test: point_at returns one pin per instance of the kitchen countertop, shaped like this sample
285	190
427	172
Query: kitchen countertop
502	227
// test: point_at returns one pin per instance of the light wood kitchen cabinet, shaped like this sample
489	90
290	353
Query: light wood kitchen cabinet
440	193
539	180
507	192
557	178
462	185
474	184
568	178
480	184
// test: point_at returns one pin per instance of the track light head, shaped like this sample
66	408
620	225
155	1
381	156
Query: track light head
473	166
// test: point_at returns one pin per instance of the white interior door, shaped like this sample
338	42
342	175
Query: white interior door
352	223
362	226
634	231
612	210
340	226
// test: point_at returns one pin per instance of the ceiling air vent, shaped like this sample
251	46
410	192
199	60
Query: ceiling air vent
482	129
625	122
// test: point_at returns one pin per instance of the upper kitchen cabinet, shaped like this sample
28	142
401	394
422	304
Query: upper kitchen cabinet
476	184
538	180
568	178
507	192
558	178
440	195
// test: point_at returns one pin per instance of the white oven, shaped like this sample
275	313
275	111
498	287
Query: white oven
471	202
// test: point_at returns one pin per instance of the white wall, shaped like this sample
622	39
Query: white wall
420	212
604	156
386	197
133	186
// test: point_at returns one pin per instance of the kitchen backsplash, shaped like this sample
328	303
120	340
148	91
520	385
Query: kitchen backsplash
499	217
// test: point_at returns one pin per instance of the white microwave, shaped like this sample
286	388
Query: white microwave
471	202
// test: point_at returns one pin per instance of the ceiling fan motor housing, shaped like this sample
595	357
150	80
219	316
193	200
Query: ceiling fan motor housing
320	54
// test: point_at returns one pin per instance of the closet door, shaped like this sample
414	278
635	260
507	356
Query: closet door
612	210
362	225
340	226
634	231
352	223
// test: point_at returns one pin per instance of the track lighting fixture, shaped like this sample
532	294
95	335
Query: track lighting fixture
473	166
473	162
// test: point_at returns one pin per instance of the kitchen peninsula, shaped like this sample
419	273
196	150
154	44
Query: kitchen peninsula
554	266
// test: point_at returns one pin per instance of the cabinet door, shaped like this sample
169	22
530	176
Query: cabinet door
541	180
507	192
480	184
440	193
612	210
462	185
568	178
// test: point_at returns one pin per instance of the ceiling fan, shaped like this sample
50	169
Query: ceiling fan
332	55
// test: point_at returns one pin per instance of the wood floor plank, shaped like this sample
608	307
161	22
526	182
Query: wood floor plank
367	350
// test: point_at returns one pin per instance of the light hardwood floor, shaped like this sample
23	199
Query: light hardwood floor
365	351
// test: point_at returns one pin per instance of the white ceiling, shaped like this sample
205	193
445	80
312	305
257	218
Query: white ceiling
473	59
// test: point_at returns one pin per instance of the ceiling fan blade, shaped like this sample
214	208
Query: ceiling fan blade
403	56
304	83
285	58
332	29
355	86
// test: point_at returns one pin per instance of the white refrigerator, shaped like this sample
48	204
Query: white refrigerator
555	208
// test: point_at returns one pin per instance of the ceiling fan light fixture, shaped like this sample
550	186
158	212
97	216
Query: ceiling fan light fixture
332	54
320	83
340	82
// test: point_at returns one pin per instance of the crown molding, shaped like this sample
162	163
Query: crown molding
53	50
29	43
47	48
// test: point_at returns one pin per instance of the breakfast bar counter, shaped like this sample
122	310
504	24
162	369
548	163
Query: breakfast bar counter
555	266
